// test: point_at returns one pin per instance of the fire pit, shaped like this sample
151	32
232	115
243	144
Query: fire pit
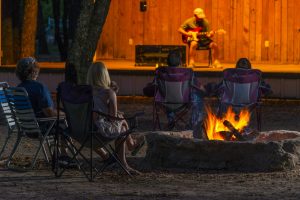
228	143
273	150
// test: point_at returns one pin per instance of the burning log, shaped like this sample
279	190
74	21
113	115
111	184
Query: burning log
251	136
226	135
234	131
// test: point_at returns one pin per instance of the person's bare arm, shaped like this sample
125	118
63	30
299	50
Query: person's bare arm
183	32
113	108
210	34
114	86
50	112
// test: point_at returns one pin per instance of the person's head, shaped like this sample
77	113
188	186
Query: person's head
243	63
98	75
27	69
199	13
174	58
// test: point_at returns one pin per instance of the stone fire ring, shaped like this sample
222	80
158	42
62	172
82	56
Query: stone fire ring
273	150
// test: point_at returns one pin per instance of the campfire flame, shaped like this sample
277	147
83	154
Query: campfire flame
214	125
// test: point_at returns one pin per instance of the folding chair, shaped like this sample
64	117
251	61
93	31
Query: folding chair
6	116
173	87
77	102
241	89
28	126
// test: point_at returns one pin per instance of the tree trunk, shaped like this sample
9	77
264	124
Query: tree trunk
41	34
29	28
67	6
58	39
17	25
73	17
7	33
89	27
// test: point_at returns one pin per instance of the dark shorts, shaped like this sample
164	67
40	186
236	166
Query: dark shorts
205	42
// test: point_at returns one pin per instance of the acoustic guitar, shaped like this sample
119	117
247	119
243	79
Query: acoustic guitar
196	34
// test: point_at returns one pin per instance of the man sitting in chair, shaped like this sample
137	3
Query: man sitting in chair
175	60
27	71
242	87
196	33
244	63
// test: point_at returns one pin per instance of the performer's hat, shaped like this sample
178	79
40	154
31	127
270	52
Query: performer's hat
199	13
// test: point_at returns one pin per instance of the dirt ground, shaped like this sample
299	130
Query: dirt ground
162	184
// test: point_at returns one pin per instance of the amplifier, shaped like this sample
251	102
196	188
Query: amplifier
156	55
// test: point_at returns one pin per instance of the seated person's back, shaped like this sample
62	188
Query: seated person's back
101	98
27	71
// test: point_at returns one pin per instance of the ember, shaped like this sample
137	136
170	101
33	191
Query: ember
229	127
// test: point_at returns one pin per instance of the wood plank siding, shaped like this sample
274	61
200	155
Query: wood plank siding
266	31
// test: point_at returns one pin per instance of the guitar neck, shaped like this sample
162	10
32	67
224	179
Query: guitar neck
203	33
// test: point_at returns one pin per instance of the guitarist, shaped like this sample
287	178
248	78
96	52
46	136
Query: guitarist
194	25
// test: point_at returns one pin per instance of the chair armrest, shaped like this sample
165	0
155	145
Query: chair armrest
137	114
45	119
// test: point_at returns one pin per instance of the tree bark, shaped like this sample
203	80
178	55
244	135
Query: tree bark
58	39
73	17
7	33
41	34
67	6
29	27
89	27
17	14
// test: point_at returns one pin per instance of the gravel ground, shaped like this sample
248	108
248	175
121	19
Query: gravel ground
168	184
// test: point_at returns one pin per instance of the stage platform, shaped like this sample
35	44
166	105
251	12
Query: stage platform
284	79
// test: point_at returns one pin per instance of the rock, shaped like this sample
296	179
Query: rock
276	150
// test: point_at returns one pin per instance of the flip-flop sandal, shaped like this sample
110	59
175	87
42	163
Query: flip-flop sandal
138	148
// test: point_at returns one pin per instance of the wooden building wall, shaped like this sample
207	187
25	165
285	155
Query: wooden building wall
250	24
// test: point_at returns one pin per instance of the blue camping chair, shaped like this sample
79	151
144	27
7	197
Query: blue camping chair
27	125
6	116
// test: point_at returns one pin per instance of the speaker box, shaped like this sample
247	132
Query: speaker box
156	55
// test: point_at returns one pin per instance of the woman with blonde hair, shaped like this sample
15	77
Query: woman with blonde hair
105	100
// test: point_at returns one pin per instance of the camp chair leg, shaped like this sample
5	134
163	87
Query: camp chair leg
45	154
50	146
181	114
5	144
58	172
153	119
258	116
13	151
156	121
156	118
46	140
41	146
